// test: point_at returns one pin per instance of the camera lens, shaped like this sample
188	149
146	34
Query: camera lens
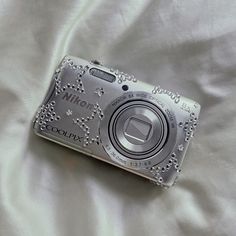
138	129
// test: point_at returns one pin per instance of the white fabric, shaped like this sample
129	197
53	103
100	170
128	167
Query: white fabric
185	46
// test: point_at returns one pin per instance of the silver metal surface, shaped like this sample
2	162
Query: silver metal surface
112	116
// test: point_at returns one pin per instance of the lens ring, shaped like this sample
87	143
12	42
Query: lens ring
163	108
136	151
148	122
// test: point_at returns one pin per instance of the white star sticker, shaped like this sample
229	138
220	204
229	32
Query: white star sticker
69	112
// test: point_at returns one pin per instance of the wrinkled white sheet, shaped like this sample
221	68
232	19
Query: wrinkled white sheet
185	46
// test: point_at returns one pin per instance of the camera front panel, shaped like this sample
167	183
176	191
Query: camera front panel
114	117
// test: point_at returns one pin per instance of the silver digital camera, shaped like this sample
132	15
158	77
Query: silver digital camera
112	116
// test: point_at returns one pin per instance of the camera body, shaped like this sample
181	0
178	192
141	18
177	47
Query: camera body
116	118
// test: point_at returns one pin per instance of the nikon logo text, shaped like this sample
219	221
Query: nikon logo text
75	99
